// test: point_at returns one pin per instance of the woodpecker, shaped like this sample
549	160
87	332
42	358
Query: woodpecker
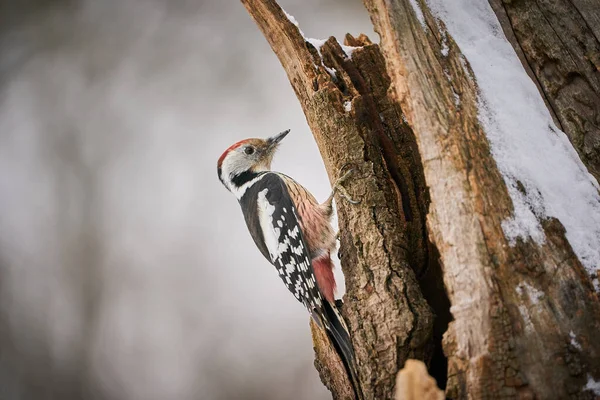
292	230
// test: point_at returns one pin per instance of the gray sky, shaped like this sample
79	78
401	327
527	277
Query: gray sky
126	268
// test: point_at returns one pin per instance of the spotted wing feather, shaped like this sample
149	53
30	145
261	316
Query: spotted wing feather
273	222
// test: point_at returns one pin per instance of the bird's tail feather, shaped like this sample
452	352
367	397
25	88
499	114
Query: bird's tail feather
338	334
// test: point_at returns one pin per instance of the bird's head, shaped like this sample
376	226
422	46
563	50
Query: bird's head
242	161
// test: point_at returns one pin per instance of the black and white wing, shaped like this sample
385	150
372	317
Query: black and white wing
273	222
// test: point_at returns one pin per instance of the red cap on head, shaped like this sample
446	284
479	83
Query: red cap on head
232	147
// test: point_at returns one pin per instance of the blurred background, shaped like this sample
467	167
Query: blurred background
126	269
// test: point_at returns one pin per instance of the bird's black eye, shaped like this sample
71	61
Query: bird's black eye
249	150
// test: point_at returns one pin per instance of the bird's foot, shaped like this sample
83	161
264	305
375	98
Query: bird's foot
337	187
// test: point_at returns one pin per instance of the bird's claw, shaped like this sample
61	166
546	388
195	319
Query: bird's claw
337	187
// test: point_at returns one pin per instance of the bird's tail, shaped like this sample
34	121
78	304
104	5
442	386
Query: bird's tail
339	336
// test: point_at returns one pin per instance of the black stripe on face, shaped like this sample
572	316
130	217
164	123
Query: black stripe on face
244	177
219	174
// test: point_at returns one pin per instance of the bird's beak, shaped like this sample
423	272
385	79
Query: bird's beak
273	141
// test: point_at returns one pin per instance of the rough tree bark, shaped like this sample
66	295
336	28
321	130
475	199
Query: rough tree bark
501	341
515	308
558	42
383	245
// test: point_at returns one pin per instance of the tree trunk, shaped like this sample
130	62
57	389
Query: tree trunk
525	312
383	245
558	42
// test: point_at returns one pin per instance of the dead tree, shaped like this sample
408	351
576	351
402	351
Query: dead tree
559	45
427	237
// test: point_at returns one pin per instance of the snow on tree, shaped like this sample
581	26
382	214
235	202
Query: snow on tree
476	245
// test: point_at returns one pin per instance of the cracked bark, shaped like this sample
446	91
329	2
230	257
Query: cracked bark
514	307
558	42
357	124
